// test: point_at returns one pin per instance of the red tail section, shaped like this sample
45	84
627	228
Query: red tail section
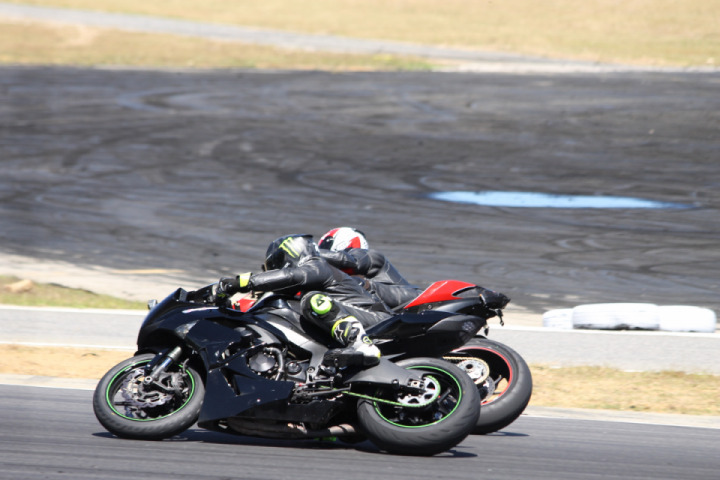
439	292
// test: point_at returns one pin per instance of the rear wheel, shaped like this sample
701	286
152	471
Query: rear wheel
502	377
130	407
425	423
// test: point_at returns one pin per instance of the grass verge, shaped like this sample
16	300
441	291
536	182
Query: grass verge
650	32
575	387
612	389
14	291
56	44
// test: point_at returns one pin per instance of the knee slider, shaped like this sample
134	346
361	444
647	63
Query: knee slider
316	305
321	304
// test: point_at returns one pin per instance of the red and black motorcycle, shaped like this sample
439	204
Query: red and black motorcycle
501	375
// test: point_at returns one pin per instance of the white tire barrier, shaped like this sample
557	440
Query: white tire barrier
683	318
560	318
632	316
616	316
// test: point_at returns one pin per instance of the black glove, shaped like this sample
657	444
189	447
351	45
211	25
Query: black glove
493	299
229	286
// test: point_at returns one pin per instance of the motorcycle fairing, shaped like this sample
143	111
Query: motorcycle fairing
162	323
441	291
469	325
231	387
430	333
314	412
222	401
406	325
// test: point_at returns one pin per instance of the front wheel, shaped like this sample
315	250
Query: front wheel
130	407
502	378
426	423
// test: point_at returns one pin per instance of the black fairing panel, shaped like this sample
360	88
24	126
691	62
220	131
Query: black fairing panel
431	333
317	411
406	325
166	319
221	400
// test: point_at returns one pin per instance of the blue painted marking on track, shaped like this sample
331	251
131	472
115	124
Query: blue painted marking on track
545	200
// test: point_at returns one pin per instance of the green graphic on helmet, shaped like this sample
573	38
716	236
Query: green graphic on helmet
287	245
288	251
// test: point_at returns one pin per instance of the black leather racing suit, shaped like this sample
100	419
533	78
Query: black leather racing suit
316	274
383	279
385	282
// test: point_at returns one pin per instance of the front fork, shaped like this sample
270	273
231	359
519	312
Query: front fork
156	371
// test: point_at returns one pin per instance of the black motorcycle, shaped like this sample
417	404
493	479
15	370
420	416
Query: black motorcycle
263	373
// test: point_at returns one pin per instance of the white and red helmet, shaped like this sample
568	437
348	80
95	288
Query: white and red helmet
343	238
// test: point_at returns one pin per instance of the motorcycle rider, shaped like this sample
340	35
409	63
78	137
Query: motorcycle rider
329	298
347	248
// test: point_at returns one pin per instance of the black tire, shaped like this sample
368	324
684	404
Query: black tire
447	415
508	387
160	415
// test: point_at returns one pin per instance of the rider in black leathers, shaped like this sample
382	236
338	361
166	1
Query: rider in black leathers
329	298
347	248
381	278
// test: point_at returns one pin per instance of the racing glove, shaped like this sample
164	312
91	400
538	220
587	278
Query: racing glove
228	286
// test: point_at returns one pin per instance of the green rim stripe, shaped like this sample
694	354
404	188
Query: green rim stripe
134	365
426	425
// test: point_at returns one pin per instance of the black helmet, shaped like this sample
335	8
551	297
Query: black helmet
287	251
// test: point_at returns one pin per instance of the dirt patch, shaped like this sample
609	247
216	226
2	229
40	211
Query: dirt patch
59	362
580	387
611	389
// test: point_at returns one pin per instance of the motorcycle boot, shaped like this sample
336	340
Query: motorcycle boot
358	350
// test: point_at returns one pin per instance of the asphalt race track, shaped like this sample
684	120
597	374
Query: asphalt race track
51	433
197	171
